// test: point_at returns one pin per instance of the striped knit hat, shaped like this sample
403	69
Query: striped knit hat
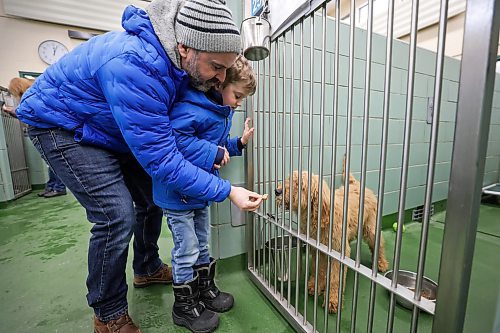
207	25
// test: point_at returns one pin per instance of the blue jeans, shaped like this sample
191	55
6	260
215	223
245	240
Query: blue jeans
191	231
107	185
54	183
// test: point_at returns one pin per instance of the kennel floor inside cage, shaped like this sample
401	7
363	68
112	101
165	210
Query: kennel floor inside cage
43	246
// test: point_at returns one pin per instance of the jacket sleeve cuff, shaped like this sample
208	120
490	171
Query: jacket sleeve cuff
220	155
240	144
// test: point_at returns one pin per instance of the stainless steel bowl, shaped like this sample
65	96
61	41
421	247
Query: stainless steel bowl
408	279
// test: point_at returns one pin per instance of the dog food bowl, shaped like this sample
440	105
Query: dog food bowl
278	248
408	279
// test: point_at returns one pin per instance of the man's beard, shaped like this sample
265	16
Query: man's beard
195	77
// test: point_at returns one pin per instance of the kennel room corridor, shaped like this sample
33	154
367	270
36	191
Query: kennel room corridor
43	290
374	92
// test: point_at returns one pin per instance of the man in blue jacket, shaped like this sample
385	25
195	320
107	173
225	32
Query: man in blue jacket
110	97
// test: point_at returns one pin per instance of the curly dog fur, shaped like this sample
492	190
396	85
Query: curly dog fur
369	227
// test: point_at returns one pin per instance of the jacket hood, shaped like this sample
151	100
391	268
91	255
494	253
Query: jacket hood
162	14
198	98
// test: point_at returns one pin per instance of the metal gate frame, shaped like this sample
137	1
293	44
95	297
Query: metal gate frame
468	160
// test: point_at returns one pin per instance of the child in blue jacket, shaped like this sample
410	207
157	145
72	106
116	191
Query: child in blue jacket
201	124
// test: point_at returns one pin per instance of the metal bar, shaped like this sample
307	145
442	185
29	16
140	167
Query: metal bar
297	263
283	144
347	160
276	81
271	192
261	132
301	121
405	158
383	158
301	118
334	150
309	173
250	219
364	150
257	162
292	80
432	159
284	137
19	169
477	77
321	144
309	162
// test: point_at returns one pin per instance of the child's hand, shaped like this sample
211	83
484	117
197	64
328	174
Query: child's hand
247	132
226	158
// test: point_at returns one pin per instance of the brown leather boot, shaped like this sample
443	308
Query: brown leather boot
123	324
163	276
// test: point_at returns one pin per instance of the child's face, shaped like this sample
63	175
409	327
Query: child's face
233	94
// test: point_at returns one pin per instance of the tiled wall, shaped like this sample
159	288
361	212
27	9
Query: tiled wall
227	232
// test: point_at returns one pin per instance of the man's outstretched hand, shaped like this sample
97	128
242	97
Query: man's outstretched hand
245	199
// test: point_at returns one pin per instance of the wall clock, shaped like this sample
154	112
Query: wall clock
51	50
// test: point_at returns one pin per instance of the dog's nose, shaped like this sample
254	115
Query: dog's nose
278	192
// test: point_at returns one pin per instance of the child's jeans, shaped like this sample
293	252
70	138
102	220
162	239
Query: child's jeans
191	230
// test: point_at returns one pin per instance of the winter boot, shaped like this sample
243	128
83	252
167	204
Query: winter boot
189	312
210	295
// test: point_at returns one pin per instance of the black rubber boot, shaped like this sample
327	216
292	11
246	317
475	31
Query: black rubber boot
189	312
210	295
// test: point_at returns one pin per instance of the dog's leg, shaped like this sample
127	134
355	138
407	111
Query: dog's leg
334	284
322	273
369	236
383	265
334	288
312	272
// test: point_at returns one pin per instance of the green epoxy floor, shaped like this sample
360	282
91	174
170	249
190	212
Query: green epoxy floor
43	245
43	255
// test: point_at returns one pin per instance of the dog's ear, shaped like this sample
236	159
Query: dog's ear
352	180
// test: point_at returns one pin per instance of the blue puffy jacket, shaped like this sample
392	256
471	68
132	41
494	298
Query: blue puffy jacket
200	126
115	92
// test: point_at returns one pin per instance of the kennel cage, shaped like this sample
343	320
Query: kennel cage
13	132
306	116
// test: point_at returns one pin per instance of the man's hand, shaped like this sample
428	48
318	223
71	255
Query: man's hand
247	132
245	199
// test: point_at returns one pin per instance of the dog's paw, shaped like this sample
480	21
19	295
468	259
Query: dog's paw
310	286
383	265
332	306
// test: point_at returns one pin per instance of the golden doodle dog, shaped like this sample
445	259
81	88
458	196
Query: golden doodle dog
369	221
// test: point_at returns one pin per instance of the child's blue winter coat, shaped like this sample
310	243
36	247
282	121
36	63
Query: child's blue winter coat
200	127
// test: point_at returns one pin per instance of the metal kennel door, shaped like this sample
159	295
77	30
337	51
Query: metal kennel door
304	119
17	160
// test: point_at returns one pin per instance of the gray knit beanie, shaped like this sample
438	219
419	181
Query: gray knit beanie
207	25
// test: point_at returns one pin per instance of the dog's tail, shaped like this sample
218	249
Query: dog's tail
352	180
